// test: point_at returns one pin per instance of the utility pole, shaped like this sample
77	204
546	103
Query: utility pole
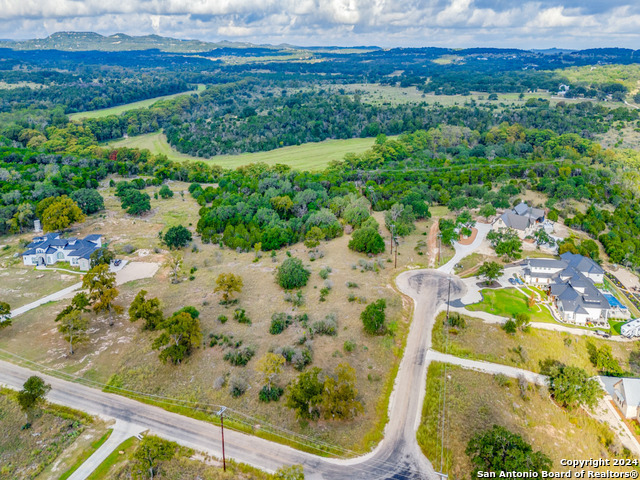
393	234
448	299
395	240
221	413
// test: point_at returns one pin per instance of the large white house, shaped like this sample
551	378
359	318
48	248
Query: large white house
50	249
626	394
542	271
571	284
525	220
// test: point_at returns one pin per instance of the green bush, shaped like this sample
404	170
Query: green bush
510	327
349	346
373	317
366	240
328	326
272	394
239	357
279	323
240	316
292	274
177	237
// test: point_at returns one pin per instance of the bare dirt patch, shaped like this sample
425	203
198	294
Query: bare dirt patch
468	240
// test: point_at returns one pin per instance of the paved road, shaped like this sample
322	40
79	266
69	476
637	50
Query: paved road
486	367
397	456
121	431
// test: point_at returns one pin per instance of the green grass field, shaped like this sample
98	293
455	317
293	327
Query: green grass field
105	112
309	156
508	302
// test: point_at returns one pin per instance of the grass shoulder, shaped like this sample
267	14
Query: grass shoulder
477	401
489	342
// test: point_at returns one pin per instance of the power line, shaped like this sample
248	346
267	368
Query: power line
311	443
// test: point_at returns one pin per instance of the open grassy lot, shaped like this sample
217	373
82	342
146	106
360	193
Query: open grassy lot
309	156
489	342
508	302
123	355
36	452
477	401
20	284
105	112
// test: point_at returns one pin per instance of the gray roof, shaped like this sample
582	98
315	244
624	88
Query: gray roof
512	220
521	209
524	210
582	264
546	263
575	292
630	390
74	247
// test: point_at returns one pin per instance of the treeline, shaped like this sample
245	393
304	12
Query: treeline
242	117
80	96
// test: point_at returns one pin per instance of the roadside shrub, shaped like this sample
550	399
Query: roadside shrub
502	379
239	357
292	274
510	327
238	386
240	316
219	382
456	320
272	394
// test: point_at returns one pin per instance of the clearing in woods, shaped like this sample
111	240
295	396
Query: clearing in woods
308	156
117	110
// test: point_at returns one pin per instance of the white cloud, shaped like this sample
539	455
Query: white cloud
528	24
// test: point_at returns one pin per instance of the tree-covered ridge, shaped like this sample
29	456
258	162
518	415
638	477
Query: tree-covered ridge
453	166
243	116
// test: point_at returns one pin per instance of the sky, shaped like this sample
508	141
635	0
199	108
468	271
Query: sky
386	23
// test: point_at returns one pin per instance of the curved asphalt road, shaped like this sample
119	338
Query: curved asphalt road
396	457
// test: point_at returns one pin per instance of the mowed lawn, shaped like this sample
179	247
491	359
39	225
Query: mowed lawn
309	156
105	112
508	302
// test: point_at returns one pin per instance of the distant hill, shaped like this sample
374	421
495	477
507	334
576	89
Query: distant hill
85	41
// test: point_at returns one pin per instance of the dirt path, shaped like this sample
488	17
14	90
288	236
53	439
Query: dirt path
432	244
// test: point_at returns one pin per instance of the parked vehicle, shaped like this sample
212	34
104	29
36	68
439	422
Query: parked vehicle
117	262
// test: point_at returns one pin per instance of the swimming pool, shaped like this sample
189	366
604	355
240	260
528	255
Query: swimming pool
613	301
